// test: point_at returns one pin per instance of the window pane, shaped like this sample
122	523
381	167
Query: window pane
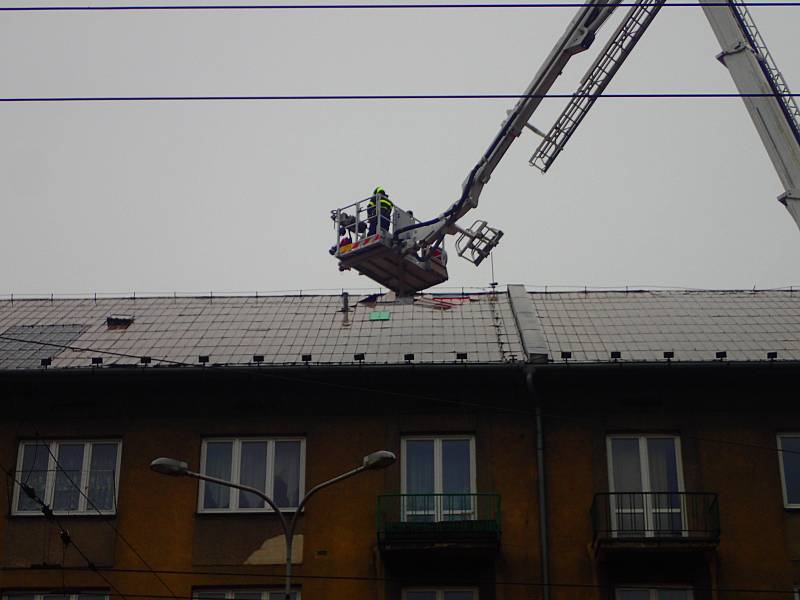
419	467
420	595
286	488
460	595
663	465
34	473
455	467
210	595
633	594
247	596
419	480
92	596
674	595
68	477
55	597
626	465
18	596
281	596
102	476
219	456
791	467
253	472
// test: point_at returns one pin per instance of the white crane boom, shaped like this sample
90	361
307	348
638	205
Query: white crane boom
411	259
764	91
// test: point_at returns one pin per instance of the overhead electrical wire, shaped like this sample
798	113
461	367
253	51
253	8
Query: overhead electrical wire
63	532
265	372
399	6
116	531
419	580
351	97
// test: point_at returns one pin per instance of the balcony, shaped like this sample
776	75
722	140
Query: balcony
678	521
467	524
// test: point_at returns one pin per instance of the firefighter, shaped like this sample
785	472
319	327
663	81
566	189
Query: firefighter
379	202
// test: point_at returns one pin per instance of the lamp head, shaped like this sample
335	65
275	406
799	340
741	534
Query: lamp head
169	466
379	460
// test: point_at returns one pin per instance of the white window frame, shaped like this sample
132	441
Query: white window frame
236	468
653	591
786	503
644	465
438	484
439	591
84	508
229	592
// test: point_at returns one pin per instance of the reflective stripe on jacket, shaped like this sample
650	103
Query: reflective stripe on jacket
385	203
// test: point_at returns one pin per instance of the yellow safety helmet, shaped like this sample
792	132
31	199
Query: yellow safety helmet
380	190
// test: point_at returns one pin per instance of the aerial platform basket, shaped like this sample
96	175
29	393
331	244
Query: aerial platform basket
362	245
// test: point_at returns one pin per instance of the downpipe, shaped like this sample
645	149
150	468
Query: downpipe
542	484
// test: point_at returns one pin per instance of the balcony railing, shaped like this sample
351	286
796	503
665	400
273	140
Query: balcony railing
655	516
423	518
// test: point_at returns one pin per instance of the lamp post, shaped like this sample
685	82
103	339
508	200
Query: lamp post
377	460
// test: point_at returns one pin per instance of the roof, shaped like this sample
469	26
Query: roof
481	328
695	325
281	329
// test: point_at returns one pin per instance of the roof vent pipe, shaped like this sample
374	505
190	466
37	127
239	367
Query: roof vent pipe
345	302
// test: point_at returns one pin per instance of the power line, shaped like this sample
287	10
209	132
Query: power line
356	97
117	532
63	533
389	392
432	579
406	6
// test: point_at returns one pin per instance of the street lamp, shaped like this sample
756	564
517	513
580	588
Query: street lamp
176	468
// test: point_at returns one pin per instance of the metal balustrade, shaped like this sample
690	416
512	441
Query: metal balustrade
657	516
437	517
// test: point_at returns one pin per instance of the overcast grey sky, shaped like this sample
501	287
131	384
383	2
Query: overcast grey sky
236	196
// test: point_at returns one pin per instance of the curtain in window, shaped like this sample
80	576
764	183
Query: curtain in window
419	480
34	472
791	467
102	476
66	494
628	501
253	472
281	596
421	595
674	595
458	595
456	479
219	457
286	485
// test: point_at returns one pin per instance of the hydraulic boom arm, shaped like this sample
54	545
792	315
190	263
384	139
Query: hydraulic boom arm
765	93
579	35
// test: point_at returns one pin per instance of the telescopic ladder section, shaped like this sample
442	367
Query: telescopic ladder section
596	80
763	90
777	82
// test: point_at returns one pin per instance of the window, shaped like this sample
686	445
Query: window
275	466
440	594
51	596
70	476
251	594
789	461
646	482
438	478
654	594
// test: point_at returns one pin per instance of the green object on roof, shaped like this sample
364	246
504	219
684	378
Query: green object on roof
379	315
